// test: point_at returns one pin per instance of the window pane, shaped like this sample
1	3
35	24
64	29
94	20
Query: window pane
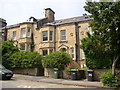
44	52
63	35
14	35
51	50
28	33
51	35
63	32
23	32
45	36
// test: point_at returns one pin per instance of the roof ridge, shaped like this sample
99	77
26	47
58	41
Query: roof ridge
71	18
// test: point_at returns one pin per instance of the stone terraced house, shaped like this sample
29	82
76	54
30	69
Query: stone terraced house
48	35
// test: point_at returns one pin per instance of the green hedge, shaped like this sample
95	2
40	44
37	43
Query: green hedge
56	60
26	59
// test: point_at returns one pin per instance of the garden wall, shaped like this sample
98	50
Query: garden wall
29	71
98	72
82	74
48	72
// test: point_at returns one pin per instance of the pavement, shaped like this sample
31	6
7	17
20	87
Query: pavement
84	83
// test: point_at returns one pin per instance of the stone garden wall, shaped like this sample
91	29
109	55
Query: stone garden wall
82	74
29	71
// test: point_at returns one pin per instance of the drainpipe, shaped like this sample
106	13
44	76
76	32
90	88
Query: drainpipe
5	34
32	39
77	48
54	38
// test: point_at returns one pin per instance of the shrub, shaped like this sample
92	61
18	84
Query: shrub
26	59
109	80
56	60
72	65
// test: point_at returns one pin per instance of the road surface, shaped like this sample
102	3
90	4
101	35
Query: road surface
18	83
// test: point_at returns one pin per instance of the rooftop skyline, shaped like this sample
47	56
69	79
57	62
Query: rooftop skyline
17	11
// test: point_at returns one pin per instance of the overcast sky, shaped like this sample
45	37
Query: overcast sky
16	11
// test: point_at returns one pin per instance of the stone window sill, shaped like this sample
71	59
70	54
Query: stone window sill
64	41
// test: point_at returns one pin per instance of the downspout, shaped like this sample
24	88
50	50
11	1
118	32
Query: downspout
54	38
77	49
32	38
5	34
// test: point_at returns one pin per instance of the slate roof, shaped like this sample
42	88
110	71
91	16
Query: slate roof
15	25
70	20
57	22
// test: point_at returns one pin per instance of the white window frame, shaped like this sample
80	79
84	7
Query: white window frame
14	35
45	36
63	36
23	32
28	33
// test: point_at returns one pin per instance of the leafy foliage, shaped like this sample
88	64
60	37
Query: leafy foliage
7	49
56	60
97	56
101	47
26	59
109	80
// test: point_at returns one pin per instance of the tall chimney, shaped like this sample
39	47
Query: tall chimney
49	13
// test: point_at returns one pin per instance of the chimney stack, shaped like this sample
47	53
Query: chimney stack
49	14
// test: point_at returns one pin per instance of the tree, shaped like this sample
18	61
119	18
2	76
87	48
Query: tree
7	49
106	27
56	60
96	54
